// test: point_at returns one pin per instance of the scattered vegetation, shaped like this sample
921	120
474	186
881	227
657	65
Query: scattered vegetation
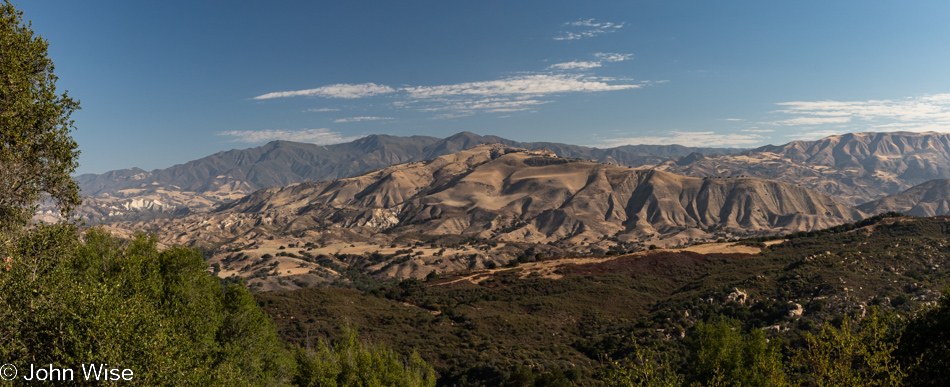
593	324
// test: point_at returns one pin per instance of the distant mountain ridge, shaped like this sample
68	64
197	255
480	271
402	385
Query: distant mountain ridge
493	191
486	189
199	184
281	163
854	168
510	199
931	198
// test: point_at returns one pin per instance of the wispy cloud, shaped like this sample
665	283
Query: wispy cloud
357	119
574	65
537	84
585	65
514	93
613	56
340	90
917	114
812	135
800	121
469	106
697	139
582	29
316	136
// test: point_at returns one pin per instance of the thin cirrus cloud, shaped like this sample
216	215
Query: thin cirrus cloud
316	136
525	84
613	56
364	118
916	114
468	106
583	29
574	65
697	139
340	90
515	93
536	84
585	65
520	93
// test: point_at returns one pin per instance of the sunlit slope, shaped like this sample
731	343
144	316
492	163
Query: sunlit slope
928	199
854	168
496	191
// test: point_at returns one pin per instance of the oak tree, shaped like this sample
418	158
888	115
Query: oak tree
37	153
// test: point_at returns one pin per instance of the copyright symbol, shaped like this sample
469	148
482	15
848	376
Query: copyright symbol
8	372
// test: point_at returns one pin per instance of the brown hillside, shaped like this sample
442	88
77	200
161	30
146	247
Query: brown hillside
853	168
495	191
928	199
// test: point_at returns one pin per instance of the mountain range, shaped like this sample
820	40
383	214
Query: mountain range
408	206
501	199
930	198
853	168
198	185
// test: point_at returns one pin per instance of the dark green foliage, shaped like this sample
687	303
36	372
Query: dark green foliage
37	153
647	367
925	345
350	362
721	354
130	305
854	354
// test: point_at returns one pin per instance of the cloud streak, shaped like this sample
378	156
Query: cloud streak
469	106
696	139
523	92
583	29
916	114
613	56
537	84
340	90
574	65
316	136
364	118
585	65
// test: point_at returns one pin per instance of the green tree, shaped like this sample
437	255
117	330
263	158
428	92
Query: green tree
37	153
722	355
350	362
925	345
855	354
647	367
130	305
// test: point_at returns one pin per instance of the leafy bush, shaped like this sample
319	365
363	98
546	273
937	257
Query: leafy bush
159	313
721	354
350	362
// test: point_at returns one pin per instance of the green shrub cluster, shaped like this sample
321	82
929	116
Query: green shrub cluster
68	302
103	300
881	349
350	362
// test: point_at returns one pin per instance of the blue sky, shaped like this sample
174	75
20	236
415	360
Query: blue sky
162	83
